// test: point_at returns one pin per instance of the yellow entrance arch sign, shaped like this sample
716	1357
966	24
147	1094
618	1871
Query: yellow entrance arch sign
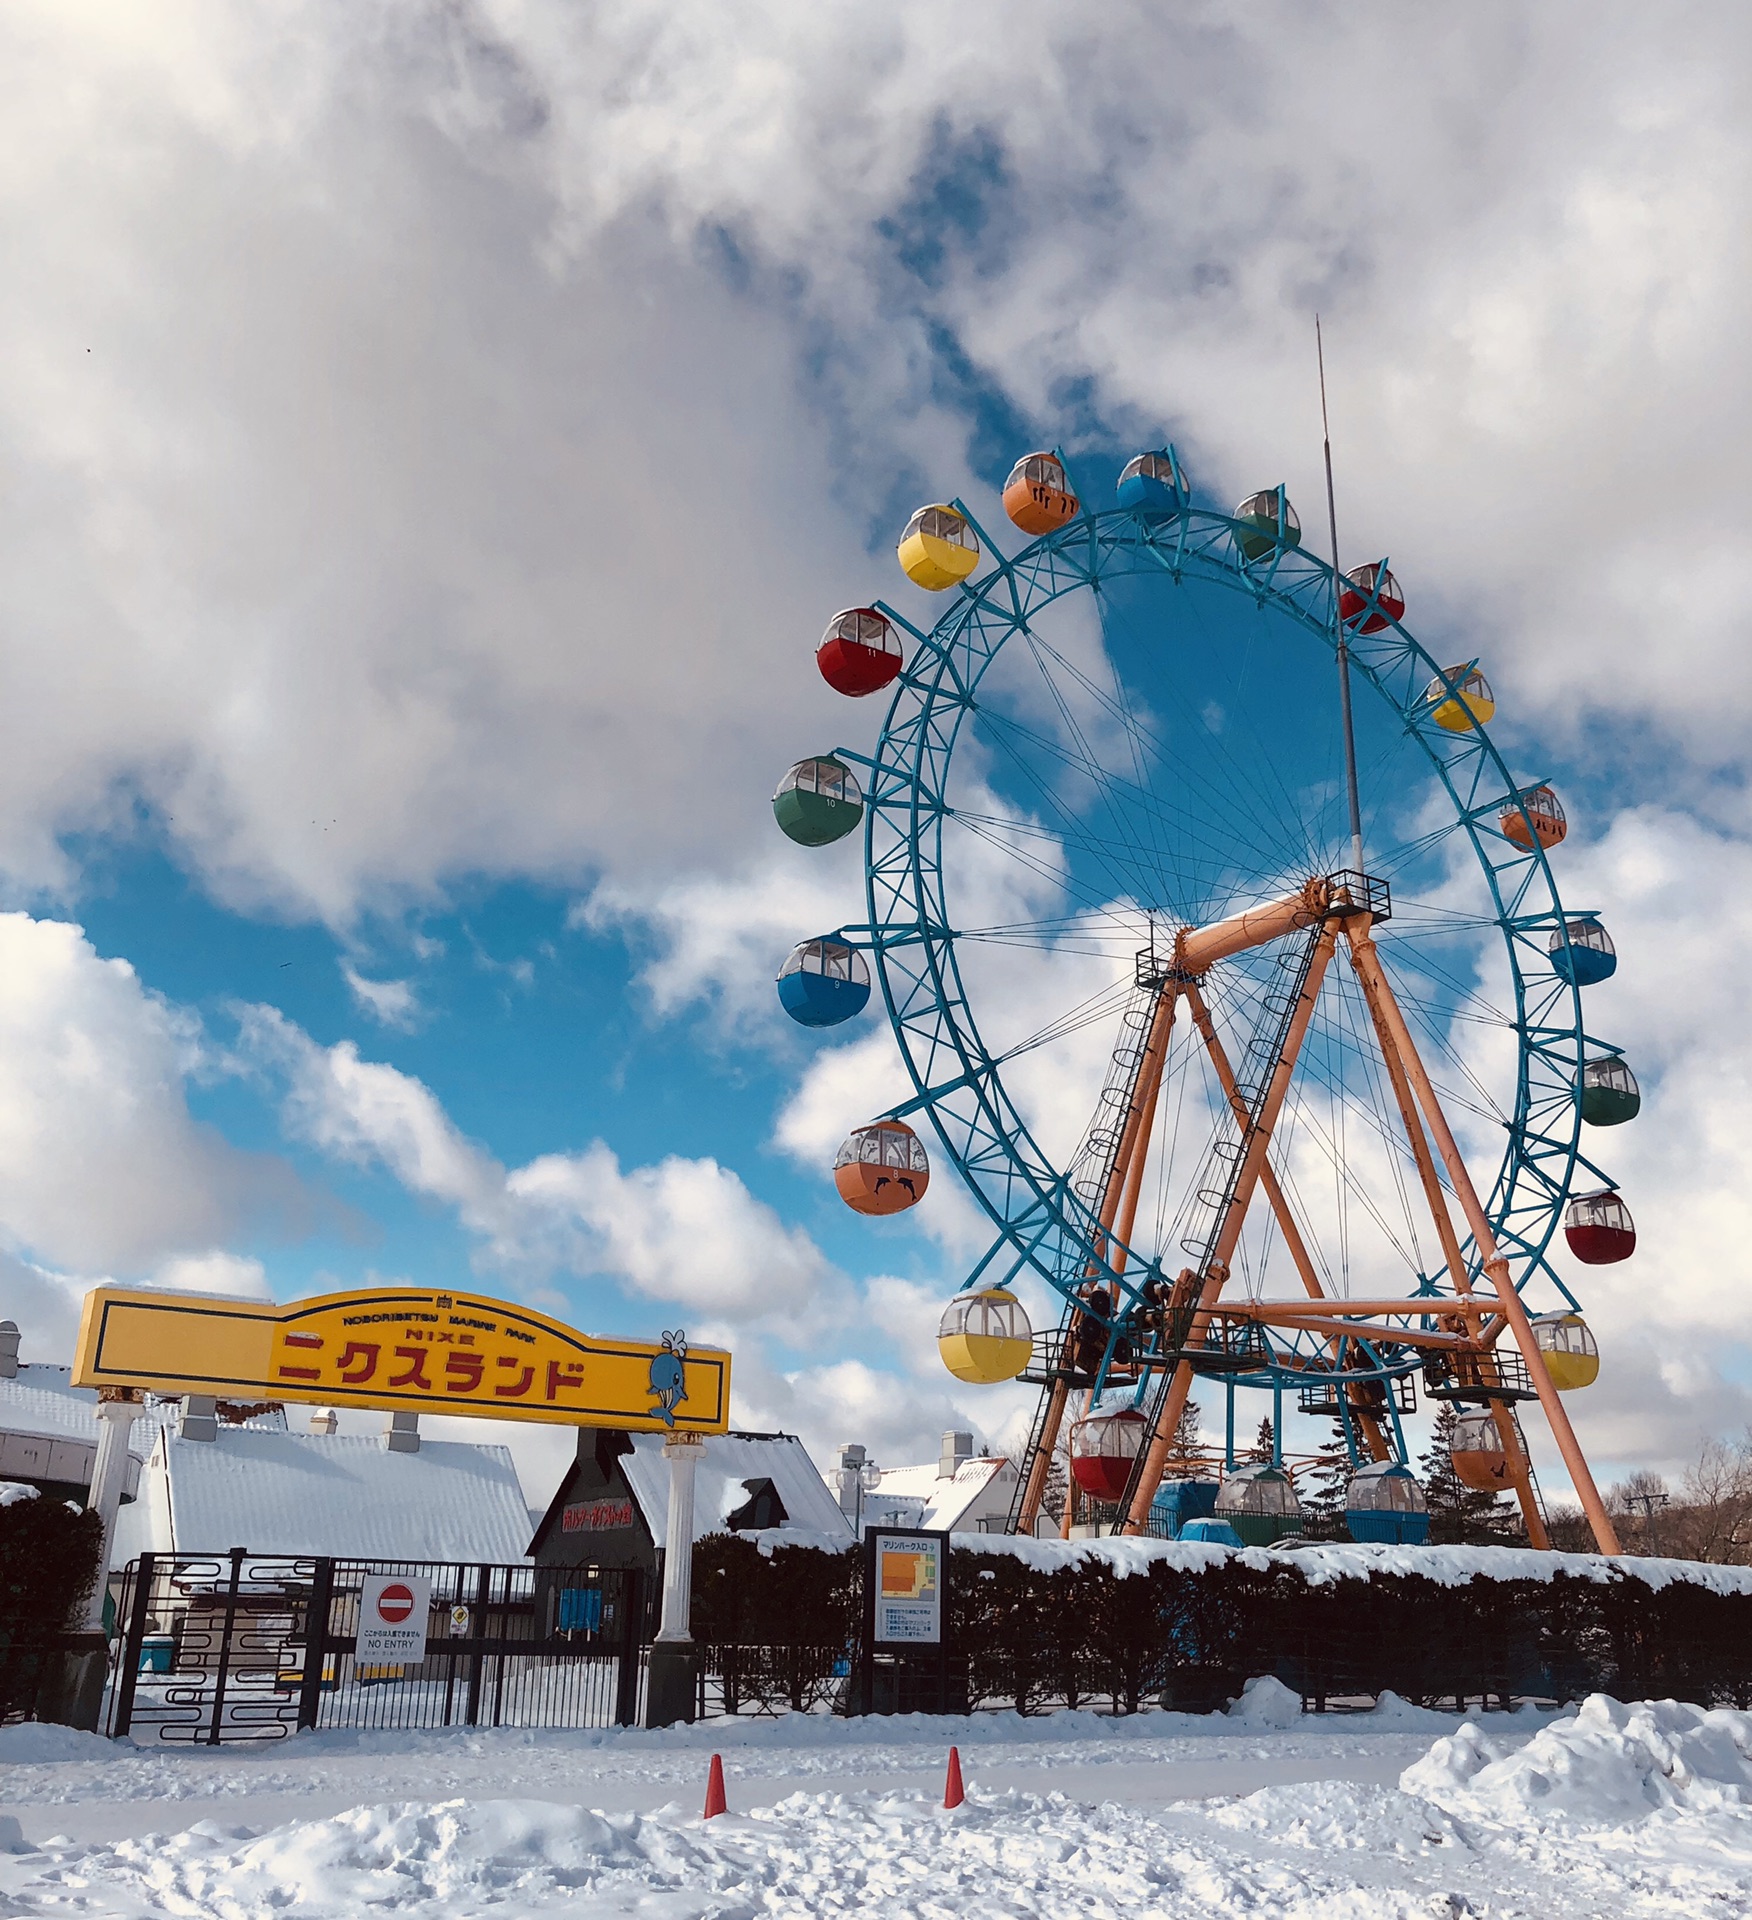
400	1347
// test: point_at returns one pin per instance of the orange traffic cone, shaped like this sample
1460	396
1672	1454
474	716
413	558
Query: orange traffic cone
715	1802
952	1793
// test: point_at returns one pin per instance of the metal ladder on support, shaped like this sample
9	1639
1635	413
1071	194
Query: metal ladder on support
1223	1164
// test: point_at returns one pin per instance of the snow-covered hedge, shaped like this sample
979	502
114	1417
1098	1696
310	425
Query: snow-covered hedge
48	1561
1129	1621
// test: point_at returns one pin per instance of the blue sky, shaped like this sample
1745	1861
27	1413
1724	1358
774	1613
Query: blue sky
431	446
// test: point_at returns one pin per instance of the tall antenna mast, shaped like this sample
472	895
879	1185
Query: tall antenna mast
1344	685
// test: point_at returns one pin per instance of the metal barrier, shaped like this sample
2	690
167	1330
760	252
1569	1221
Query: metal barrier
245	1646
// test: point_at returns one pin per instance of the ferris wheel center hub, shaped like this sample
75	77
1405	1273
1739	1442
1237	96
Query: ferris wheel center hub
1346	894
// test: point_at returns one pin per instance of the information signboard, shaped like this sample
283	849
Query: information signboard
908	1589
393	1611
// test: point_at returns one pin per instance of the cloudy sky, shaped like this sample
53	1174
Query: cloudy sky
432	437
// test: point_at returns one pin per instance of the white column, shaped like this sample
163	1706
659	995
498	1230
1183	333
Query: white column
109	1475
684	1452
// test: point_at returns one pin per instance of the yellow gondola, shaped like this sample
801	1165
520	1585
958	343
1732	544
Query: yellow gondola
1470	705
985	1337
1571	1357
939	549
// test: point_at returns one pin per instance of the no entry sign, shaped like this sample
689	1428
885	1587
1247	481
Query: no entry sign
393	1608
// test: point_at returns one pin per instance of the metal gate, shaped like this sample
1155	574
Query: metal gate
247	1646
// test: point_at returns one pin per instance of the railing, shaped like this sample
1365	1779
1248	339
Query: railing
241	1646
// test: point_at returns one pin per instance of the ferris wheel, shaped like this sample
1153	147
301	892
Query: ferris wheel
1254	1023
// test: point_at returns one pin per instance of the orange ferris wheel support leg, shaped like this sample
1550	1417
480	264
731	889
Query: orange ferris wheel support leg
1274	1193
1388	1022
1228	1234
1133	1143
1368	964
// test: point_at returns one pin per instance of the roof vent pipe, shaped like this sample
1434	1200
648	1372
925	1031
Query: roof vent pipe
8	1349
957	1451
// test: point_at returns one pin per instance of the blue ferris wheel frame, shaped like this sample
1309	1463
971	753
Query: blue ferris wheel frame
1043	1224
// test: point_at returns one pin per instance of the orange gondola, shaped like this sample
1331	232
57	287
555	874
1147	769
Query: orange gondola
1541	807
882	1168
1037	496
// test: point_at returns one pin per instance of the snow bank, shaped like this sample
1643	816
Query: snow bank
35	1741
1019	1855
1605	1764
1321	1564
1318	1563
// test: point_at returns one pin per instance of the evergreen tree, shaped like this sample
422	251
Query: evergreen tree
1323	1490
1186	1455
1264	1442
1057	1489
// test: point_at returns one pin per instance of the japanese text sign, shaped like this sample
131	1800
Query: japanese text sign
909	1588
400	1347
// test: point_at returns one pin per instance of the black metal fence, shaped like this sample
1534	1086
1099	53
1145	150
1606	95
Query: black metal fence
244	1646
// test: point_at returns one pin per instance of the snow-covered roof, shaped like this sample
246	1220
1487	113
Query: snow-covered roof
948	1498
316	1493
731	1459
44	1400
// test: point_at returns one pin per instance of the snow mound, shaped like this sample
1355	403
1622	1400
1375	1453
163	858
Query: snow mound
1266	1702
35	1741
381	1858
1605	1764
1023	1856
1340	1816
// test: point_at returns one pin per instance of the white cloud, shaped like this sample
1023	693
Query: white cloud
234	1275
682	1231
102	1166
435	444
391	1003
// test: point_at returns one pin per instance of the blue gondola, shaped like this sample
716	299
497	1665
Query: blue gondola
1152	485
1211	1533
1385	1506
1582	953
1178	1503
823	983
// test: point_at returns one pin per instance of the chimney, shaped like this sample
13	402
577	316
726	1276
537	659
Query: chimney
8	1349
200	1417
848	1464
323	1420
402	1435
957	1448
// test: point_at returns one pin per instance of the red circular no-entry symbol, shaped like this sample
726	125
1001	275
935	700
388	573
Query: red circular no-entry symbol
394	1604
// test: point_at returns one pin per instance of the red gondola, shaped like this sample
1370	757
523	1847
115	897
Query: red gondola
1599	1228
1372	583
859	653
1103	1448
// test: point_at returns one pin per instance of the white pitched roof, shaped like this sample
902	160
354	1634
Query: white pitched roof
44	1400
730	1459
947	1498
339	1494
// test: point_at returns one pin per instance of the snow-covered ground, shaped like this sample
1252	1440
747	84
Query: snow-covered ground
1609	1810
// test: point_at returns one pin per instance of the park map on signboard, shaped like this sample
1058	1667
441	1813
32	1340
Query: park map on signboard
909	1589
400	1347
